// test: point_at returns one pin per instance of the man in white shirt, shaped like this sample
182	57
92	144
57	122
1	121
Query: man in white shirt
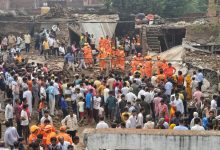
130	97
125	89
149	123
25	122
197	126
148	96
214	103
102	124
168	87
140	118
10	135
63	144
9	112
179	104
27	40
96	104
46	116
133	119
70	121
28	95
141	92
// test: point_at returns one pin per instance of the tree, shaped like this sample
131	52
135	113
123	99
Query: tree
165	8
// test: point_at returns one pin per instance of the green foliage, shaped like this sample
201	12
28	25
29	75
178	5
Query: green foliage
165	8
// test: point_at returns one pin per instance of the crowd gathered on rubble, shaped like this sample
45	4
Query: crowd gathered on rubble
148	95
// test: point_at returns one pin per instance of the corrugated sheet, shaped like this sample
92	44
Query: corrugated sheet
99	29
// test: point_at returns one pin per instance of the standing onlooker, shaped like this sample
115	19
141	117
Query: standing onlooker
46	49
17	112
81	107
69	57
70	121
200	78
11	135
96	105
27	41
111	104
51	92
102	124
25	122
9	112
28	96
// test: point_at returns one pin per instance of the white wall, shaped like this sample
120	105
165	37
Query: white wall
115	139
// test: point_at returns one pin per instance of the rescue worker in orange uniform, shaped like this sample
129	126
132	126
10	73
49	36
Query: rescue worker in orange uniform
107	45
164	65
114	57
161	78
136	61
88	54
148	66
159	65
64	135
101	43
170	71
121	59
34	132
102	56
48	134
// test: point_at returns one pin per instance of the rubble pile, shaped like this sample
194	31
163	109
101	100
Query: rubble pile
209	63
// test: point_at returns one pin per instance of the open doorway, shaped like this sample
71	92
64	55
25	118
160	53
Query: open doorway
74	37
171	37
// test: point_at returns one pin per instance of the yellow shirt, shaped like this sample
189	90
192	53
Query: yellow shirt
46	45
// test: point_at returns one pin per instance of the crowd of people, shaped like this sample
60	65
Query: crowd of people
151	95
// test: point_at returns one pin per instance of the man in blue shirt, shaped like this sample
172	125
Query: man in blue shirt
181	126
69	57
199	78
89	104
51	91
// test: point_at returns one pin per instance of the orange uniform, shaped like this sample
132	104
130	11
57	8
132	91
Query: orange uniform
121	60
114	58
180	80
32	138
49	136
102	62
170	71
101	43
148	68
164	65
135	62
159	66
88	54
160	78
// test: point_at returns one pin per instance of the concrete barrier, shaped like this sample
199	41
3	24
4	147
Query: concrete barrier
141	139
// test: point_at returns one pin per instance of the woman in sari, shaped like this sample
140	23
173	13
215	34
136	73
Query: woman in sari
188	87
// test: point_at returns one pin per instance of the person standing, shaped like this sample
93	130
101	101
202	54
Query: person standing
140	118
133	119
102	124
69	57
200	78
10	136
179	104
25	122
51	92
111	104
17	112
28	96
57	93
71	123
81	59
181	126
197	125
96	105
9	112
27	41
35	92
46	48
89	104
